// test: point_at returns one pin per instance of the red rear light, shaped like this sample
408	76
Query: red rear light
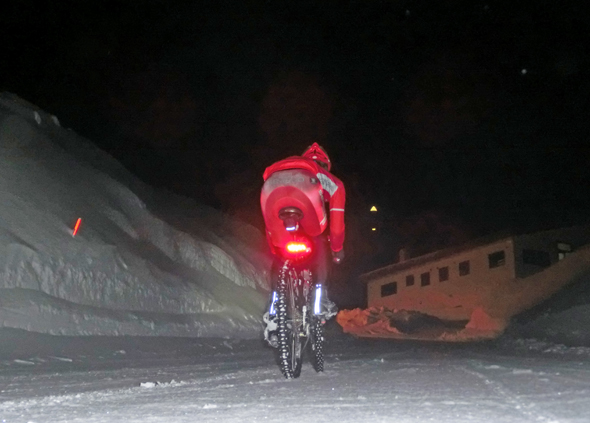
298	249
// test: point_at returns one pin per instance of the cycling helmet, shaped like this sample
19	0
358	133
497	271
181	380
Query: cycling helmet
317	153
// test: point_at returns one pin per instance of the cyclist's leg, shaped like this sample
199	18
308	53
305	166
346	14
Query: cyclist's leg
321	271
277	263
270	316
320	265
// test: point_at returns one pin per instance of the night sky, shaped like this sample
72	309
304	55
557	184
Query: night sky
456	118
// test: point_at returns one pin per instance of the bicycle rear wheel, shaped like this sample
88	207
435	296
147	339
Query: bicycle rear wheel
289	321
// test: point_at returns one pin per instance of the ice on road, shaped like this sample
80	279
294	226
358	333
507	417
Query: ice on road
237	381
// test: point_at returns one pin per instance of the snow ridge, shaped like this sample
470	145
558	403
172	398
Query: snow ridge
127	271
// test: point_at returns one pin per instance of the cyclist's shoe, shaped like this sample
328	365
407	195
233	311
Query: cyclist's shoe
327	308
273	340
270	331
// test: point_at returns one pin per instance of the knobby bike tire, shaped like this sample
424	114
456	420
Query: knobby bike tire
290	348
317	345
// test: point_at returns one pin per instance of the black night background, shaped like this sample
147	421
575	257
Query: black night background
456	119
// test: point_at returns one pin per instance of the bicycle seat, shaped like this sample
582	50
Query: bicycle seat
290	213
291	217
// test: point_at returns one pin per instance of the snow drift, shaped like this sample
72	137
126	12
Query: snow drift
134	268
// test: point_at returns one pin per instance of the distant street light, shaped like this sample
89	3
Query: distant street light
373	209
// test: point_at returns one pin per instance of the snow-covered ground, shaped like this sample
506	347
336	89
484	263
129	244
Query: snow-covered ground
206	380
141	263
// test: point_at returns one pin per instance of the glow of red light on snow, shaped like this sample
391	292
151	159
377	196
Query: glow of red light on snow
77	226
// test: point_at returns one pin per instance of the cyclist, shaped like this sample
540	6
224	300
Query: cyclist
311	186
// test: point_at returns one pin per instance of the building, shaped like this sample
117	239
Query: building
496	277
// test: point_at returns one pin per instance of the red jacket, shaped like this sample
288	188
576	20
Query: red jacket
332	188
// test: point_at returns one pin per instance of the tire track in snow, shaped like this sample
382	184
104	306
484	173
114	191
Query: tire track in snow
528	409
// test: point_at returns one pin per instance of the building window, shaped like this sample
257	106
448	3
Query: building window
563	249
425	279
497	259
389	289
464	268
410	280
536	257
443	274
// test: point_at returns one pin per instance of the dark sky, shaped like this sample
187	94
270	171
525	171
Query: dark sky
457	118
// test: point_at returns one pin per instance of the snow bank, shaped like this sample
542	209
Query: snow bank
381	322
570	327
129	270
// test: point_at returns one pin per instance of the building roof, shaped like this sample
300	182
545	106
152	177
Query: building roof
434	256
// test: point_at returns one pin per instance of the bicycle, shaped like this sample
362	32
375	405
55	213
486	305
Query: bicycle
300	325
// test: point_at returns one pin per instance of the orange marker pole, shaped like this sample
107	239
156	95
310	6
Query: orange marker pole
77	226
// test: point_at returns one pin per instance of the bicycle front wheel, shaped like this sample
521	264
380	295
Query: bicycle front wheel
317	345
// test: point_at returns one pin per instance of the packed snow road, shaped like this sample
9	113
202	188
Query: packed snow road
47	379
